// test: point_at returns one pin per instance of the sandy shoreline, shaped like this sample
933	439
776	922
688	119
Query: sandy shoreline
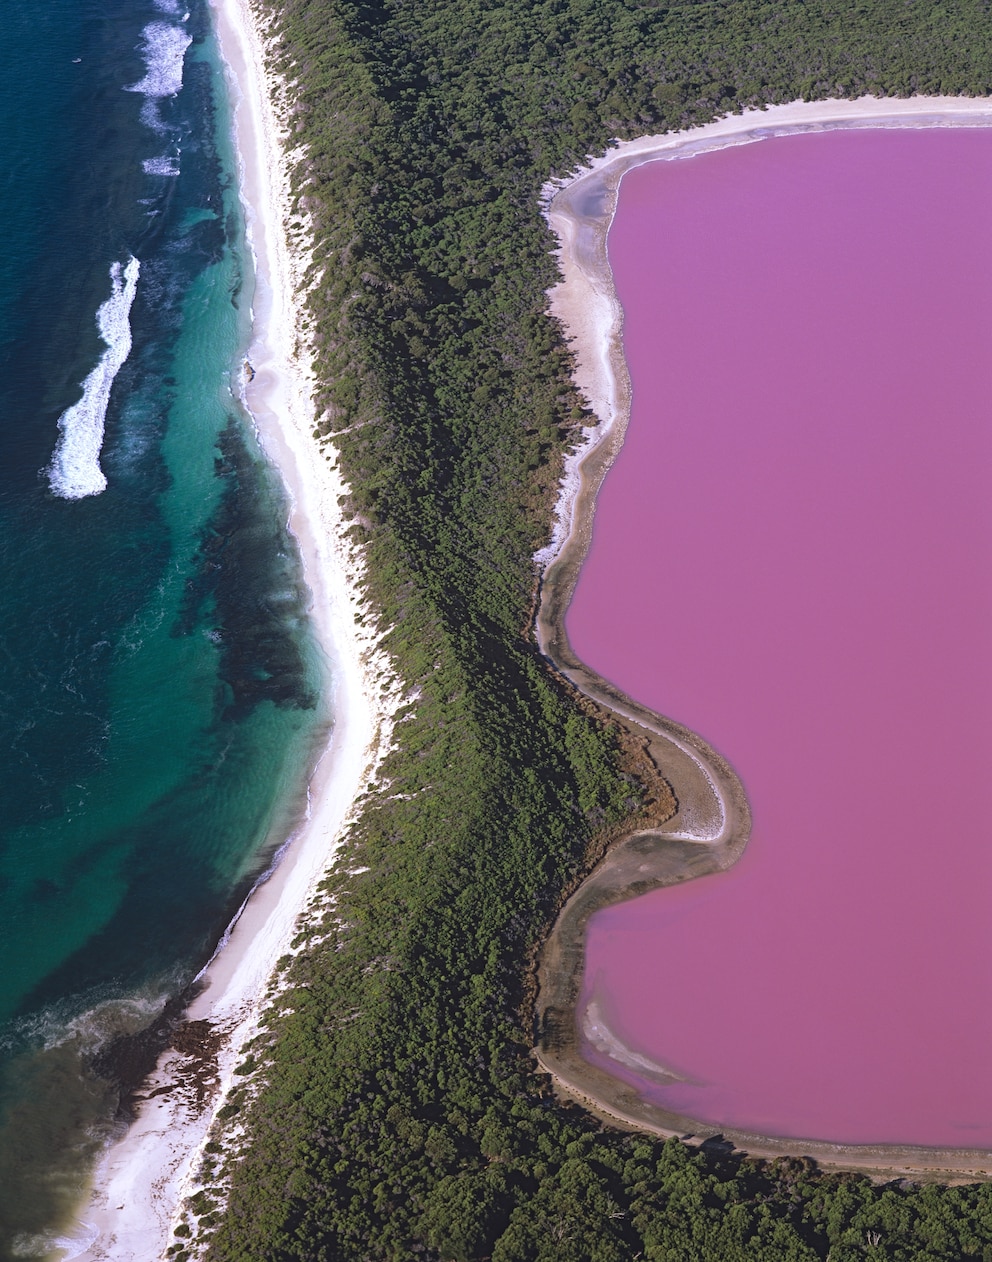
713	806
142	1178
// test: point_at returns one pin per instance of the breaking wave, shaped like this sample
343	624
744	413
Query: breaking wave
75	469
164	50
161	166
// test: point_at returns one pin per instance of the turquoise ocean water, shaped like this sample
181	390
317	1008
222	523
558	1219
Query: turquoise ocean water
160	691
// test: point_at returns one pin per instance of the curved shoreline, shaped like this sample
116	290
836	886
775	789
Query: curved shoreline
710	830
144	1177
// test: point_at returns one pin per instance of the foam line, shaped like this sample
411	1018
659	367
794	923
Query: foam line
164	51
75	469
161	166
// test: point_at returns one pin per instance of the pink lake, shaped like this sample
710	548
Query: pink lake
793	556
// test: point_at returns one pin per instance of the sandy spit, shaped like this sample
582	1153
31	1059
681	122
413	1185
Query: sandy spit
143	1178
580	211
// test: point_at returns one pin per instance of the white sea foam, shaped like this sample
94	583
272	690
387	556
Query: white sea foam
161	166
76	1246
164	50
75	469
91	1021
45	1246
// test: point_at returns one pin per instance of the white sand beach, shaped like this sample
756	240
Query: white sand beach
143	1178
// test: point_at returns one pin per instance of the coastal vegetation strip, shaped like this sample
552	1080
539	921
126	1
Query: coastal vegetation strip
394	1109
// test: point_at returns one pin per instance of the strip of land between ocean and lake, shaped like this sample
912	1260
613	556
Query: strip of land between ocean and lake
144	1178
710	828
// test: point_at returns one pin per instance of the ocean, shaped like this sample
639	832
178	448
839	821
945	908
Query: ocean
162	694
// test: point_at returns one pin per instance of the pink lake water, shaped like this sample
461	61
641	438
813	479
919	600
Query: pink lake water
793	556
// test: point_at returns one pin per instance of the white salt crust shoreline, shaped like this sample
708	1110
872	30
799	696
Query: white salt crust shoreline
585	300
144	1177
580	211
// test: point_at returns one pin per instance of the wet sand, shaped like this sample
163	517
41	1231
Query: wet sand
713	810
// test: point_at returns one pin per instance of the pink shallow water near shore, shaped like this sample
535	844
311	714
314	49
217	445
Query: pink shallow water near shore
793	556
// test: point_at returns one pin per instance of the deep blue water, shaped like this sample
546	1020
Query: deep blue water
160	690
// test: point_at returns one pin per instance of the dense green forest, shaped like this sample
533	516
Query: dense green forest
391	1110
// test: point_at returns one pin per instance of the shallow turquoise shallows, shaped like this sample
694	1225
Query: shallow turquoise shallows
161	694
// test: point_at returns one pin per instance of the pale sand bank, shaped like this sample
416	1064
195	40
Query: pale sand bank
713	806
143	1178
